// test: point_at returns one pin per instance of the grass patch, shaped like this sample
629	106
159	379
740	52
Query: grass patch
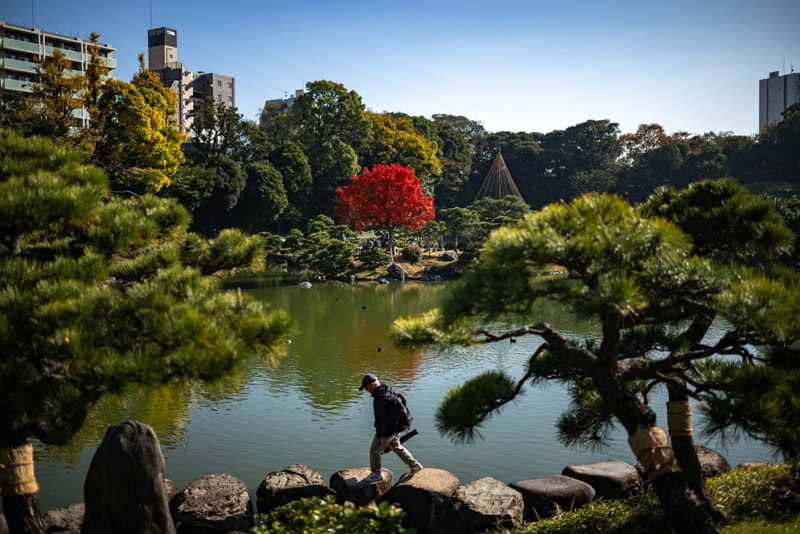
786	526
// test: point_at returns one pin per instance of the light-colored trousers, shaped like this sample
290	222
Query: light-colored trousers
393	442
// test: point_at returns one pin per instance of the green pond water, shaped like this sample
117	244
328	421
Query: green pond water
307	409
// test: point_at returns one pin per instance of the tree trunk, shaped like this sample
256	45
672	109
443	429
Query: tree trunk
684	510
390	245
22	514
683	445
20	492
682	438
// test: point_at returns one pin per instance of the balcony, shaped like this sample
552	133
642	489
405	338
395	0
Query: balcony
15	64
110	62
14	44
16	85
69	54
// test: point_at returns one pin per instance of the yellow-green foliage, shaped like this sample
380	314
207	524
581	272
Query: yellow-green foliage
138	141
395	139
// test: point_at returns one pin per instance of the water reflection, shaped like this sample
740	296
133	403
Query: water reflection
343	334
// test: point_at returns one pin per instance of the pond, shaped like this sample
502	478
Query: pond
307	408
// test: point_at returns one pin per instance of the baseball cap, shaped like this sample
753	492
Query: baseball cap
368	379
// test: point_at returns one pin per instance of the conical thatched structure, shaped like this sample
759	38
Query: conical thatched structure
498	182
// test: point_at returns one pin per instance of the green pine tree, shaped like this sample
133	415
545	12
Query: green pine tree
99	292
652	299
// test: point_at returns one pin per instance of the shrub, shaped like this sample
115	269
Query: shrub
635	515
374	258
316	515
412	253
763	493
766	491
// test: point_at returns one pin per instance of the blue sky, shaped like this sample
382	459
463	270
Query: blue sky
532	65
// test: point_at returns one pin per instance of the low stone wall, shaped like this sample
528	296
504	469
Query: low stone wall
434	500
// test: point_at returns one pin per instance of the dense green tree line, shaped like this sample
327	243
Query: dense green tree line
279	173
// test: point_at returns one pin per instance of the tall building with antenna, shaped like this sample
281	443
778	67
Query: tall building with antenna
191	87
775	94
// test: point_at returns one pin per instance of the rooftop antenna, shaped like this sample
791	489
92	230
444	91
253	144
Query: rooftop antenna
33	19
151	13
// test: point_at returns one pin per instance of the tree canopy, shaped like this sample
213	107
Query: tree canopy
386	196
138	142
103	291
393	138
637	278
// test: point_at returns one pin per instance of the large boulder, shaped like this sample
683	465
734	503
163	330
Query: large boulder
449	256
488	502
67	520
293	483
426	497
544	497
215	503
397	272
124	489
349	485
611	479
712	463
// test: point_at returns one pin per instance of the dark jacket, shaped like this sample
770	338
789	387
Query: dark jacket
384	424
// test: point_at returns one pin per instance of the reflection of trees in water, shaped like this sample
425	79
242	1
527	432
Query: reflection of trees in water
165	407
342	334
340	328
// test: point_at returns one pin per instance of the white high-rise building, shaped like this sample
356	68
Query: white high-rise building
775	94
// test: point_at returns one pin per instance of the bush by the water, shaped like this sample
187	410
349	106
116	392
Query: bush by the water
374	258
316	515
768	493
412	254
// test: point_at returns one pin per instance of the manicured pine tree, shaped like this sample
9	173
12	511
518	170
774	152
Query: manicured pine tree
635	277
101	291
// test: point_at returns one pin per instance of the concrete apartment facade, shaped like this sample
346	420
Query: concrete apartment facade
191	87
775	94
21	46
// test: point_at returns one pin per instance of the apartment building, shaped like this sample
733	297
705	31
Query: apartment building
775	94
21	46
191	87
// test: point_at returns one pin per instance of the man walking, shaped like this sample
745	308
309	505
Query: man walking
387	429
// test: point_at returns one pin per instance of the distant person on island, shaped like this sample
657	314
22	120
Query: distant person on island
388	426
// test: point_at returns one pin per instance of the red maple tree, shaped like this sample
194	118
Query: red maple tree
385	196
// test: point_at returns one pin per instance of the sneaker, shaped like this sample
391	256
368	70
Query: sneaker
374	477
416	467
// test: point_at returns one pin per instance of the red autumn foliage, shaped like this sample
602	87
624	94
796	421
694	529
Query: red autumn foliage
386	195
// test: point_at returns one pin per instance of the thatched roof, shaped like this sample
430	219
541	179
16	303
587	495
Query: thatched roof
498	182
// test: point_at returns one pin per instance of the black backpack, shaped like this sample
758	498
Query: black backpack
399	413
